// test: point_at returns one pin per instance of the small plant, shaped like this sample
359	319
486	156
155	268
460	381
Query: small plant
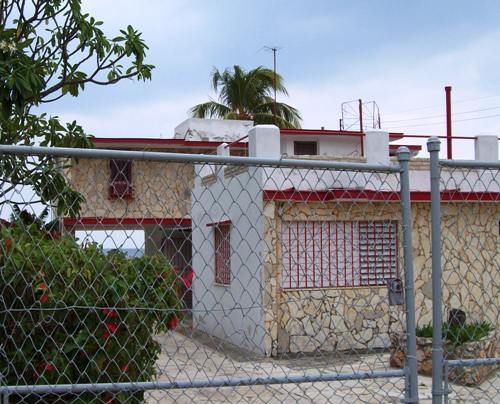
72	314
459	334
424	331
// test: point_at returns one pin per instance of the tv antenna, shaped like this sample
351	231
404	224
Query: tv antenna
275	50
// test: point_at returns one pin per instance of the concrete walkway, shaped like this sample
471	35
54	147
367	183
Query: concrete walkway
189	357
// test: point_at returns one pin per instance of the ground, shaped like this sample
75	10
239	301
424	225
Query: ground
188	356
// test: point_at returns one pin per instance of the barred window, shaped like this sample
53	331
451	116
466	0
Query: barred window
319	254
120	181
222	244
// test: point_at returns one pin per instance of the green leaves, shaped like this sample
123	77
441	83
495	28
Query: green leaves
81	316
48	52
249	95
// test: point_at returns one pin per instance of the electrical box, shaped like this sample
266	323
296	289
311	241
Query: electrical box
396	291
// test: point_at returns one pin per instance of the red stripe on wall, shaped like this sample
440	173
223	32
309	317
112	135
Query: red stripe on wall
292	194
68	221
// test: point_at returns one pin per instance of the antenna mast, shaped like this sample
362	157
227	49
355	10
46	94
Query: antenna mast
274	49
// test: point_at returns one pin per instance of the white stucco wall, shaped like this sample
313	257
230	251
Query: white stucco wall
478	180
234	312
212	129
327	145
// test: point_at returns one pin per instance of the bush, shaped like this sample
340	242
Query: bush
459	334
72	314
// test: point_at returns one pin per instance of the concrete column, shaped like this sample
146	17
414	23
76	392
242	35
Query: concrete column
377	147
264	141
222	150
153	237
486	148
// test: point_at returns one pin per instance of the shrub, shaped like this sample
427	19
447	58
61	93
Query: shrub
459	334
72	314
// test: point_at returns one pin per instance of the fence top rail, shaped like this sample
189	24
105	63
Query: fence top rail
209	382
495	165
193	158
472	362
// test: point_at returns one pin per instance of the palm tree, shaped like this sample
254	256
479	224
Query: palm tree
248	95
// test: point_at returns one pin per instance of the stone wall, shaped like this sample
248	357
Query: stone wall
360	318
470	260
161	190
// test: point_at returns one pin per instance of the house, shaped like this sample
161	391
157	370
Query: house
298	259
283	257
156	197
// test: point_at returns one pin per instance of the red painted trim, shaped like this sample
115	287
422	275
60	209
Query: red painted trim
292	194
163	142
107	221
326	132
221	223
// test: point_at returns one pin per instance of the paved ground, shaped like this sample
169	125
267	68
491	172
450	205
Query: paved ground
189	357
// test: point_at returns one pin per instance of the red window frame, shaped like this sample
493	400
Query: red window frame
222	253
302	148
338	254
120	179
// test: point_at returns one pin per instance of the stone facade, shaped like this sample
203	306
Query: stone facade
329	319
487	347
160	190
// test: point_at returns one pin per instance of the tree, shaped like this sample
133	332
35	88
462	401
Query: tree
249	95
50	49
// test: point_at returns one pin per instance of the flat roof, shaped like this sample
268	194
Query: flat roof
172	143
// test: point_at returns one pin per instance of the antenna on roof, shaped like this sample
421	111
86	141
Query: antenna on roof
273	49
356	113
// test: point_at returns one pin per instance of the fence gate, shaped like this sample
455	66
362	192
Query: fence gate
466	279
299	275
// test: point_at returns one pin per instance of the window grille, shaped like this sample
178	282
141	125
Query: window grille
222	244
120	183
324	254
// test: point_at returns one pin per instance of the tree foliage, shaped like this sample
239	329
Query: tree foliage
50	49
249	95
73	314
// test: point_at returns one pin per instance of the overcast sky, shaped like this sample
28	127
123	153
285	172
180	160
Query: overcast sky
399	53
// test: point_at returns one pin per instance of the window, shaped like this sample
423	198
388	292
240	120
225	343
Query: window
305	148
338	254
222	245
120	182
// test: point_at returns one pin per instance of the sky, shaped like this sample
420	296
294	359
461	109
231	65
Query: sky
400	54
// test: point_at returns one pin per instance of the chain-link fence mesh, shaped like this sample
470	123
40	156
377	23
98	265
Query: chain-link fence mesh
186	281
470	239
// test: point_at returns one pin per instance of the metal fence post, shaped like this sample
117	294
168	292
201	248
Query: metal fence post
433	147
411	388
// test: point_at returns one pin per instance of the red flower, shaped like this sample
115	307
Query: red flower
47	366
124	368
111	327
187	279
110	313
41	286
173	322
8	244
44	298
105	335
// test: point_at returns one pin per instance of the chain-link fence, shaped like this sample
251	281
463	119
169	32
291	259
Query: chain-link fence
466	277
193	278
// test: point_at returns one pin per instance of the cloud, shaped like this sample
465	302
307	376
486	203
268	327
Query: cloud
147	119
403	85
